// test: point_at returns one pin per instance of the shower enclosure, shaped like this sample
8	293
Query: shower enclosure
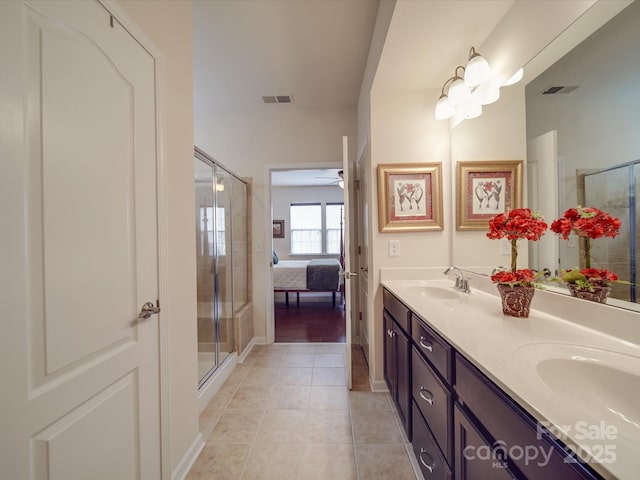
615	190
222	260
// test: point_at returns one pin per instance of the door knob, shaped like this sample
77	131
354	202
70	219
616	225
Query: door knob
147	310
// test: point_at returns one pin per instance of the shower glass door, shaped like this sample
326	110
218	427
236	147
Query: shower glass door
223	262
205	265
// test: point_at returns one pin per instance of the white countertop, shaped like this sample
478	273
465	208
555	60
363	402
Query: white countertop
508	349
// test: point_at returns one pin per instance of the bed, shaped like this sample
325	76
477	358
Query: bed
318	275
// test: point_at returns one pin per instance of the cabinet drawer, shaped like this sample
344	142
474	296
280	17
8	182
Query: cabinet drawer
508	423
434	401
434	348
432	463
397	309
474	456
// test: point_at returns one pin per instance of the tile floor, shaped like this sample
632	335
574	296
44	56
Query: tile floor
286	414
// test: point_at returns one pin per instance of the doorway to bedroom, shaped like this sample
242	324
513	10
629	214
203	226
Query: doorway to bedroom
308	252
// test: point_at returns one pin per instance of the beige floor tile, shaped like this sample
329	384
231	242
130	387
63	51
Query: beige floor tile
273	360
291	397
236	426
329	426
360	400
283	426
299	360
328	398
375	426
301	348
295	376
328	376
331	348
383	462
257	397
328	462
220	461
329	360
274	461
261	376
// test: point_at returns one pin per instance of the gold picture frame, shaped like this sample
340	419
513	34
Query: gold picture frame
410	197
485	189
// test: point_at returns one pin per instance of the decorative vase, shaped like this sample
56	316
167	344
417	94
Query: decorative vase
595	294
516	300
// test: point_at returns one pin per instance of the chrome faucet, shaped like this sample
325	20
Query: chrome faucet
462	284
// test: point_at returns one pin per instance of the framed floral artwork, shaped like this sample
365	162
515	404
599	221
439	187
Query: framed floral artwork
486	188
278	228
410	197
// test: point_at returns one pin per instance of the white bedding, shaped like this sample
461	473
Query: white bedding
290	275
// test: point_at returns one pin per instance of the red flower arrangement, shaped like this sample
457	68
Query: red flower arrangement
587	223
520	223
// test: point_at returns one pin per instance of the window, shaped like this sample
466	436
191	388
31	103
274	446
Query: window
306	228
334	223
315	228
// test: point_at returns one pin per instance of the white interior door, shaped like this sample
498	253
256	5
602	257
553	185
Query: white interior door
542	172
80	371
347	258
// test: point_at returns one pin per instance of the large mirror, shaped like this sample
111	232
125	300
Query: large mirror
583	147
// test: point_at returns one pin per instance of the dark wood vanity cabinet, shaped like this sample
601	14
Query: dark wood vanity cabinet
462	426
397	368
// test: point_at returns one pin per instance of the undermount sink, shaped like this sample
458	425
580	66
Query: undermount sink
597	385
435	292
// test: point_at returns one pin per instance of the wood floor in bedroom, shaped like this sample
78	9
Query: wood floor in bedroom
314	319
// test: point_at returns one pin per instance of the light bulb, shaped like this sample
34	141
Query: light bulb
474	110
444	109
341	184
477	70
491	96
458	92
515	78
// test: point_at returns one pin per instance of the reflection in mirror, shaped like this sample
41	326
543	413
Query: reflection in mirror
583	142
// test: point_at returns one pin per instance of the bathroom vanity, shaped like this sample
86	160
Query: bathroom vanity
484	396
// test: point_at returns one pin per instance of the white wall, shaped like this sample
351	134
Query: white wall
249	141
404	130
283	197
168	24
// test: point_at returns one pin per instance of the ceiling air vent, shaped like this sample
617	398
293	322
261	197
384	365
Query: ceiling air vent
553	90
277	99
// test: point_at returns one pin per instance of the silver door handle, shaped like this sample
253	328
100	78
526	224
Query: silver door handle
348	275
147	310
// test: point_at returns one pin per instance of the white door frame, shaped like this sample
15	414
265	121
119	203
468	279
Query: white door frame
123	18
267	274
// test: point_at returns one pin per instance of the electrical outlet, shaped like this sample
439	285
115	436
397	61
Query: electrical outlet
394	248
505	247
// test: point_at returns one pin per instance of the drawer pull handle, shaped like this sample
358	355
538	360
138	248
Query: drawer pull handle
428	465
426	346
426	395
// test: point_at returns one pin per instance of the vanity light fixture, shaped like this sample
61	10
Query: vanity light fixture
471	87
477	69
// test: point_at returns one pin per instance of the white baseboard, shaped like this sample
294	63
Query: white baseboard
182	470
378	385
213	384
259	340
247	350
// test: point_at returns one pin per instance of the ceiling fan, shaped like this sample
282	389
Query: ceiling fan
337	178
